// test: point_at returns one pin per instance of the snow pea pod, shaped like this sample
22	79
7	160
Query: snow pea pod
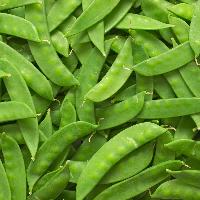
165	62
116	76
126	141
93	14
165	108
120	113
135	21
152	176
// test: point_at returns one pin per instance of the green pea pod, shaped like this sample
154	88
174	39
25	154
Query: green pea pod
176	189
7	4
62	138
165	62
95	13
52	67
194	33
7	22
190	177
61	9
14	167
52	188
114	150
60	43
165	108
120	113
5	192
186	147
33	77
116	76
152	176
135	21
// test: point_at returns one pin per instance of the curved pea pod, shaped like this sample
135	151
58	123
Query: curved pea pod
162	153
165	108
111	152
7	4
120	113
135	21
190	177
14	167
93	66
176	189
116	76
33	77
125	94
52	67
152	176
165	62
60	140
130	165
180	29
18	111
5	192
117	14
62	9
13	25
186	147
54	187
89	147
194	32
183	10
60	43
190	74
95	13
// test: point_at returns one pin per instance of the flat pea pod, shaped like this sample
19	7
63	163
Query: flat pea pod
89	147
14	167
190	177
117	14
116	76
131	164
53	187
7	4
46	125
125	94
152	176
183	10
17	26
111	152
176	189
93	65
52	67
5	192
60	43
62	138
16	85
163	154
165	62
93	14
19	111
120	113
33	77
180	29
135	21
165	108
62	9
194	32
186	147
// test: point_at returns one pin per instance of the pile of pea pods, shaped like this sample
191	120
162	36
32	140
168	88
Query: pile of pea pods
99	99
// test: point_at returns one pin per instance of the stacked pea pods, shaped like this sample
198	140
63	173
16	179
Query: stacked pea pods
99	99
